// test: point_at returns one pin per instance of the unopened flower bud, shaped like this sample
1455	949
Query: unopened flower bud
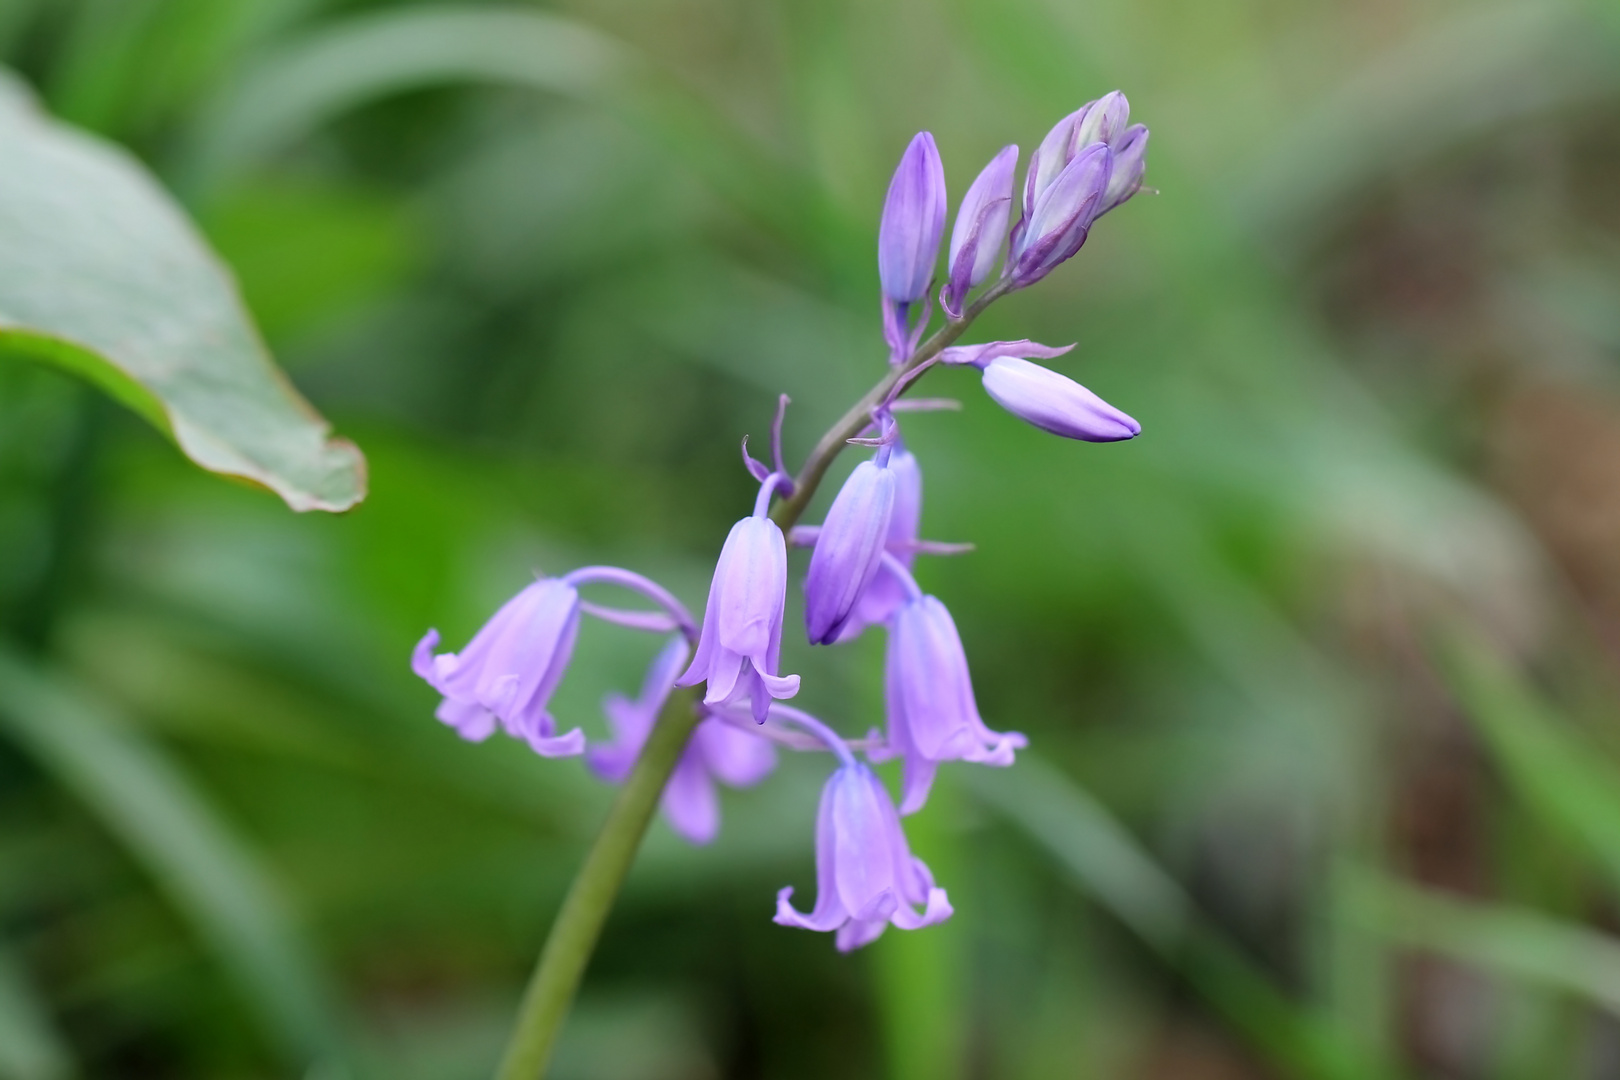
913	222
1054	402
1062	216
980	229
1130	160
848	550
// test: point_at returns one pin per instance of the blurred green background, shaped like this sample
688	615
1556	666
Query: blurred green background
1320	673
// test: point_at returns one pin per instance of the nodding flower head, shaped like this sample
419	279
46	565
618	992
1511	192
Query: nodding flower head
718	751
507	673
913	222
980	229
848	548
740	645
931	711
866	876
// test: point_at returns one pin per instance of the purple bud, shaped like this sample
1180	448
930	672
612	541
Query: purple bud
510	669
981	226
931	711
885	593
1103	121
1054	402
848	550
717	751
1062	216
741	642
1097	121
1130	160
866	876
913	222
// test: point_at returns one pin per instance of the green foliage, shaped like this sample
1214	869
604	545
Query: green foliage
547	267
102	275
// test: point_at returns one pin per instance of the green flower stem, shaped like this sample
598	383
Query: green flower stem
573	936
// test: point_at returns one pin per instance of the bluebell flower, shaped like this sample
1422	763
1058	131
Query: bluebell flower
866	877
740	645
510	669
848	548
932	714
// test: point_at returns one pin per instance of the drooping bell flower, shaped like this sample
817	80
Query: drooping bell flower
908	241
509	670
885	593
980	230
866	876
740	645
848	548
1058	223
717	751
932	715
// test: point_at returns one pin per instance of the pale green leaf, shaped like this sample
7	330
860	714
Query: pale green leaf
101	273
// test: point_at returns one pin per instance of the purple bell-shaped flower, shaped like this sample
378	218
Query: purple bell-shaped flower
718	751
510	669
885	593
740	645
866	876
932	714
848	548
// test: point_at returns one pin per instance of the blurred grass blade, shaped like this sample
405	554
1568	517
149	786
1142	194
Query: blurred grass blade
303	85
1566	783
1520	944
101	274
1488	68
295	89
144	799
30	1048
1105	862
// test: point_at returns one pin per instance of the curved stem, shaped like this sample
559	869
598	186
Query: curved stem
859	415
579	923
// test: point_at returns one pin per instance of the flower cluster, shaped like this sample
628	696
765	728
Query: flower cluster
861	560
